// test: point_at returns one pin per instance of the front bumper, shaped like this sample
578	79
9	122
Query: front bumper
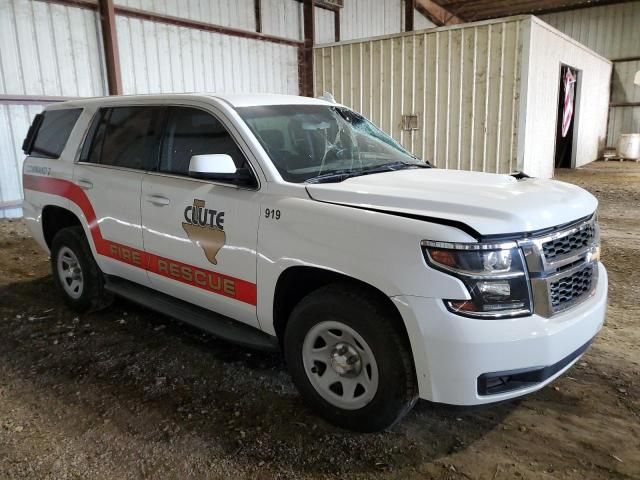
452	353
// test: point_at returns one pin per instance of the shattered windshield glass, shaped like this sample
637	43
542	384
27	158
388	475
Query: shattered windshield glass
308	143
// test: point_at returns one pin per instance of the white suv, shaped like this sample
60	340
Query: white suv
292	223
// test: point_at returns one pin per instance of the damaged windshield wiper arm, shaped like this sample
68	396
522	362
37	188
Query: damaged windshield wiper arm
341	175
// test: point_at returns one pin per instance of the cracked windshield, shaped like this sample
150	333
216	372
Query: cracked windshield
318	143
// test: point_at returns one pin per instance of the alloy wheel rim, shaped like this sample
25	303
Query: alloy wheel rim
70	273
340	365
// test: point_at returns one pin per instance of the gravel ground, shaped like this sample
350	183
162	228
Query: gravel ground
128	393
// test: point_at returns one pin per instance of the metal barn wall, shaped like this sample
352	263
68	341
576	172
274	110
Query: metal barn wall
46	50
324	25
160	58
49	49
15	119
549	48
282	18
421	22
463	83
614	32
369	18
624	118
229	13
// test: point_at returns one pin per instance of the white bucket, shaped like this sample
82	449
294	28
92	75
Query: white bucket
629	146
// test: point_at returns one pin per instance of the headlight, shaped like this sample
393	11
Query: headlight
494	274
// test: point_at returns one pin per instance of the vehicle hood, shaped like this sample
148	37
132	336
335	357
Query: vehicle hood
490	204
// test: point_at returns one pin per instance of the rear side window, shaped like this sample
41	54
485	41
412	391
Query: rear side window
49	132
191	131
124	137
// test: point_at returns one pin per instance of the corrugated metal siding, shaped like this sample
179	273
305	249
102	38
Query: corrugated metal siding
282	18
161	58
49	49
550	49
14	123
614	32
462	82
622	120
368	18
324	25
420	22
623	90
45	49
230	13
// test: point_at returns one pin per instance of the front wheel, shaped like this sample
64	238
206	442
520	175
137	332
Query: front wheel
349	359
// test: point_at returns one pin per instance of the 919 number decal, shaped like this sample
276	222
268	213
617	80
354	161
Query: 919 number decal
272	213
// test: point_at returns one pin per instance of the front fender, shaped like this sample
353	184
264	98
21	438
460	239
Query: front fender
380	249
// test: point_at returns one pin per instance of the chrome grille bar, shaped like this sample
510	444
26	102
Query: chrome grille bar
562	267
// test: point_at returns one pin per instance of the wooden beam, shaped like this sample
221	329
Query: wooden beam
209	27
305	65
486	9
181	22
336	24
409	12
624	59
437	14
325	6
257	7
110	43
624	104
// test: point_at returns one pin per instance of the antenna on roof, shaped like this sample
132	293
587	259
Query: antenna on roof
327	97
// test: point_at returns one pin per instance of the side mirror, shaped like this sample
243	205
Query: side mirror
219	166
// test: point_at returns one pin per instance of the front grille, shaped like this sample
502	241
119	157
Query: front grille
563	267
568	244
571	287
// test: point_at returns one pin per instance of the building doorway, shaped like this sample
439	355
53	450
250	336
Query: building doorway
566	121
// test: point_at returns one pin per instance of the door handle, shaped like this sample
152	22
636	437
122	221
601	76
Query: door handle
85	184
158	200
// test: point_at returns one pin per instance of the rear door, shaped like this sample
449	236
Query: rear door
200	236
121	145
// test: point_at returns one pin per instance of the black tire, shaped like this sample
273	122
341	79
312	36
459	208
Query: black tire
377	323
93	295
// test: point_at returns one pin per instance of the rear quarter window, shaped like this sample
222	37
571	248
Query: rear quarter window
49	132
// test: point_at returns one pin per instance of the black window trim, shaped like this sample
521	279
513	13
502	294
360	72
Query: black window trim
90	132
235	136
34	129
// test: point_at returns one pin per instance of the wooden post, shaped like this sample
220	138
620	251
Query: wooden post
306	53
110	41
409	11
257	6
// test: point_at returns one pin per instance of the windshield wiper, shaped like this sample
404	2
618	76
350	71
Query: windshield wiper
341	175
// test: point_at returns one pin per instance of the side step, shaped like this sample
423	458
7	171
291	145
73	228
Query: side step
217	325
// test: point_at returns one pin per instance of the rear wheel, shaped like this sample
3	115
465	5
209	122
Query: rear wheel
75	272
348	358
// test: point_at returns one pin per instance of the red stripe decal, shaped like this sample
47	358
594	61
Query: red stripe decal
189	274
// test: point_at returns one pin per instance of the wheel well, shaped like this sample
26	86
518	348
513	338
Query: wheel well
297	282
55	219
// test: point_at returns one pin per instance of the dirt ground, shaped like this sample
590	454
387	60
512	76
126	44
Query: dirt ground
127	393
